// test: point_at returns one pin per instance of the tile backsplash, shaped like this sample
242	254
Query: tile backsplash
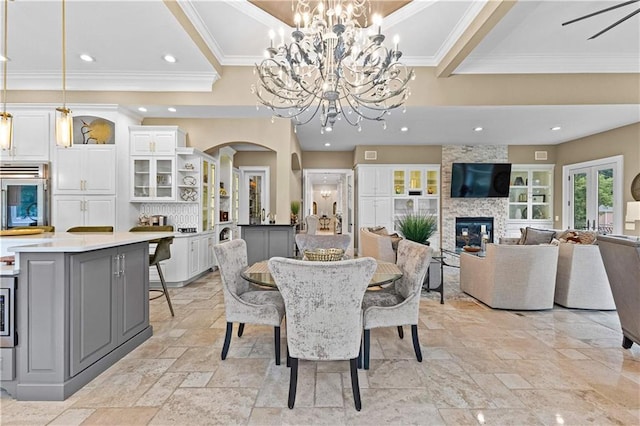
180	215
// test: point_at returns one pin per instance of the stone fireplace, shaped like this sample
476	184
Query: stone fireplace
452	208
469	230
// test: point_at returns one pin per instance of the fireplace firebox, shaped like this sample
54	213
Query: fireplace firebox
469	231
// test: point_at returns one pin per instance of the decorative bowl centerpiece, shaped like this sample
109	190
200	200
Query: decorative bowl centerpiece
324	255
471	249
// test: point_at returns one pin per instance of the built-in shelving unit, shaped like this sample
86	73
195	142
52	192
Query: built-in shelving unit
530	197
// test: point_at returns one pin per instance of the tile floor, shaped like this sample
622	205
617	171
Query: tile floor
481	366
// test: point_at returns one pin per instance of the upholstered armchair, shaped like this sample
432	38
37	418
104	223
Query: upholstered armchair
621	258
520	277
241	304
399	304
376	245
324	316
310	242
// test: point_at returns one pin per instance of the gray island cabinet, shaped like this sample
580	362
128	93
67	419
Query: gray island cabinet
267	241
78	312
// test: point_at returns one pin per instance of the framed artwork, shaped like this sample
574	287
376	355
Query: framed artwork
539	198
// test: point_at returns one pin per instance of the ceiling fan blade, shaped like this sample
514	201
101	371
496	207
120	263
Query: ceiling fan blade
614	24
600	11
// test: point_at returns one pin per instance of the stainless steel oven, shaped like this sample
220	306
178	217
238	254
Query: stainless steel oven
25	195
8	336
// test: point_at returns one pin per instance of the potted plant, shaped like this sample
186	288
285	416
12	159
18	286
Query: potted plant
295	209
417	226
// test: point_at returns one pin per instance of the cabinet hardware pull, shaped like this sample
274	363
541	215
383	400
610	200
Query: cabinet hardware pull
122	265
116	264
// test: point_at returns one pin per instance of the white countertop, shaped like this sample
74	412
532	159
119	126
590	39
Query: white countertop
75	242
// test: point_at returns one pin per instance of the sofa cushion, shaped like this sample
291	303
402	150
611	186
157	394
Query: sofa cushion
534	236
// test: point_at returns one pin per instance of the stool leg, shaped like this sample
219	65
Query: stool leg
164	286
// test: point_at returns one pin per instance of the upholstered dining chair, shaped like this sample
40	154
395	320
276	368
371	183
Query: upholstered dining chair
162	252
398	304
311	222
45	228
241	303
310	242
324	317
90	229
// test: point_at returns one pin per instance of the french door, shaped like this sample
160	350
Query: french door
594	195
254	195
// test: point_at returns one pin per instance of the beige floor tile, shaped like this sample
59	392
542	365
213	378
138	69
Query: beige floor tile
503	367
121	416
197	406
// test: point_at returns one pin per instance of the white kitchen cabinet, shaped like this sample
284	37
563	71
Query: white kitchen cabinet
374	180
32	136
155	140
207	242
85	169
91	210
153	179
191	255
530	198
416	180
375	211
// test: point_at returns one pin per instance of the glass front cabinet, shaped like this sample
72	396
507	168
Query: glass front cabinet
153	179
530	197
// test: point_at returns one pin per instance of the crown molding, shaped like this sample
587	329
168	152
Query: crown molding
117	81
534	64
198	23
458	30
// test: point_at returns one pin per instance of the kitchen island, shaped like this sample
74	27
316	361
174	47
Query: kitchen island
82	303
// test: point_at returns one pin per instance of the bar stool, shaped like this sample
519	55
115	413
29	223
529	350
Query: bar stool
162	252
91	229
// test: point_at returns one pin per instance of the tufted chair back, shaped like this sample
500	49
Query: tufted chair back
232	259
312	222
310	241
323	302
413	260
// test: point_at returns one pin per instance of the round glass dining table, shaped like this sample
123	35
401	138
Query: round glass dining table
258	273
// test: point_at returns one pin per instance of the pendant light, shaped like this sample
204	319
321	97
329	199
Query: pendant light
6	120
64	120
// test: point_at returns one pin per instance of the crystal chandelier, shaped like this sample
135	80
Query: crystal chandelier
333	67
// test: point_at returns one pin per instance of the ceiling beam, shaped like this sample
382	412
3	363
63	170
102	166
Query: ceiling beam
193	33
492	12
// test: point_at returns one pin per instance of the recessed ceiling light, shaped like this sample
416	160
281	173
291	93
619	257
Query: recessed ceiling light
404	129
172	109
327	144
328	129
478	129
142	109
556	128
87	58
169	58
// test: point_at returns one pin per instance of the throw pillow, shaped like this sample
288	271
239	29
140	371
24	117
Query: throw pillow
523	235
536	236
395	239
379	230
587	237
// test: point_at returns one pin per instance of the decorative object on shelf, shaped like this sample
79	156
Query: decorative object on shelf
635	187
518	181
295	209
518	214
224	216
64	119
417	226
163	179
398	189
189	166
188	194
144	220
189	180
522	198
324	255
332	66
6	119
540	198
93	130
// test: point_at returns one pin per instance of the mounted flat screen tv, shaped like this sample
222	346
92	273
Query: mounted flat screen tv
480	180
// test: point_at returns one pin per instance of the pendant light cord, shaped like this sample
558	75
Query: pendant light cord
6	59
64	57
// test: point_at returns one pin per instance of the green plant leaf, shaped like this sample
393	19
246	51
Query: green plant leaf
417	226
